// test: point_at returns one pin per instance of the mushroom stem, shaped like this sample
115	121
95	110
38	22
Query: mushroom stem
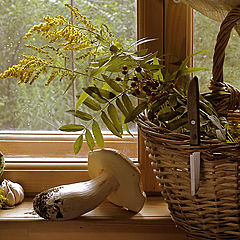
70	201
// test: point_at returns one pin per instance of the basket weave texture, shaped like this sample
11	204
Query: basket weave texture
214	213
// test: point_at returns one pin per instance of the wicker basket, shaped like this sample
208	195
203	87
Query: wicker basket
214	213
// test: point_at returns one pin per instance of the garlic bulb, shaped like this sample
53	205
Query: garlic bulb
13	192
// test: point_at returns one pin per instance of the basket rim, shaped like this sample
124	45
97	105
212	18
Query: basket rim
153	132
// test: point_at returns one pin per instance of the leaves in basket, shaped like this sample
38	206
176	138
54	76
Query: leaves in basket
172	100
156	105
136	111
177	123
110	125
170	115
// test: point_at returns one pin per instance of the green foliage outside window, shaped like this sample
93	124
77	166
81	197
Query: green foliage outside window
36	107
205	34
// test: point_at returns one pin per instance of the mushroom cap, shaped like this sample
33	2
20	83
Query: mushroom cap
129	194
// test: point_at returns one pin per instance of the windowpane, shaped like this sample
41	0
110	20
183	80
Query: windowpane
36	107
205	34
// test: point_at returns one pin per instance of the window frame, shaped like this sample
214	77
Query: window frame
173	21
50	159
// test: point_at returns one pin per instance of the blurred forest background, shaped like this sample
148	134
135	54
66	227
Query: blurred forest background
36	107
204	37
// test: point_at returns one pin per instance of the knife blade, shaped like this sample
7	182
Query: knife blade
194	125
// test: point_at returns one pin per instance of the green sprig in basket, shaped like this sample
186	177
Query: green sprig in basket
214	213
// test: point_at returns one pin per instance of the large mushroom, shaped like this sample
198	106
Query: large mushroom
113	175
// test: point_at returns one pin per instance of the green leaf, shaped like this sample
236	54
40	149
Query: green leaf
177	123
121	107
112	112
127	103
97	134
114	49
187	59
141	52
158	74
215	121
191	70
223	93
103	93
89	139
92	104
149	56
221	134
90	91
172	100
78	144
70	84
115	65
168	116
112	83
81	99
158	103
136	111
125	124
71	128
110	125
206	106
79	114
142	41
97	71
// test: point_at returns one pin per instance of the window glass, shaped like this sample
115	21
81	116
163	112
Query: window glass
205	34
36	107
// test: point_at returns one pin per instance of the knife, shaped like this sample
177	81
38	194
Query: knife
194	123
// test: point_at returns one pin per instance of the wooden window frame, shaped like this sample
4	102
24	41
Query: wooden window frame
171	24
49	157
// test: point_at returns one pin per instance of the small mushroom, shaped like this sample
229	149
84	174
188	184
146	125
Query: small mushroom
114	177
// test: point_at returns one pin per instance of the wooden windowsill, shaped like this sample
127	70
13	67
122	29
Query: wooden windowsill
105	222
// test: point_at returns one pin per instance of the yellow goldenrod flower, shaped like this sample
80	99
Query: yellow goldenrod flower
52	76
37	74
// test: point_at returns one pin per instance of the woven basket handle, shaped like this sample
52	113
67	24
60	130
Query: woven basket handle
217	83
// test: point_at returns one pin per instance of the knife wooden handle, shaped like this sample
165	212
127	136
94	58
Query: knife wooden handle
193	112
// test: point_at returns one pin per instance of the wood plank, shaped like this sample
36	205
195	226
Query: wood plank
105	222
178	33
36	181
42	148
